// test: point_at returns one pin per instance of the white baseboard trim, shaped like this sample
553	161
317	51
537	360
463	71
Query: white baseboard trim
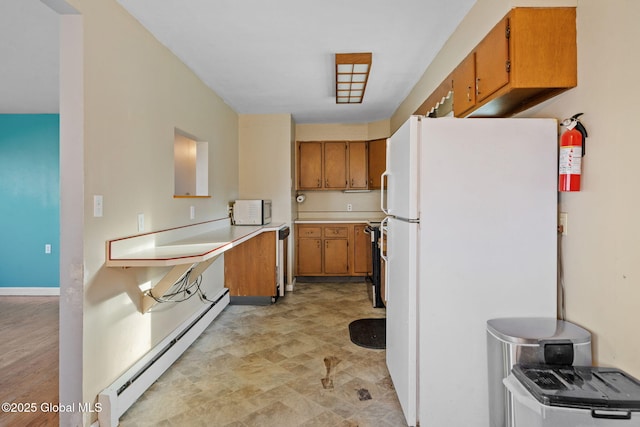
124	392
291	285
30	292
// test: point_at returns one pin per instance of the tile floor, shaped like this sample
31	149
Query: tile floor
265	366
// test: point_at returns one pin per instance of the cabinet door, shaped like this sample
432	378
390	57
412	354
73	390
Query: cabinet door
335	165
492	55
309	257
336	256
250	268
464	86
377	161
310	165
358	165
361	250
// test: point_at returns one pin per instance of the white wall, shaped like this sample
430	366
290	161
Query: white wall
135	93
601	252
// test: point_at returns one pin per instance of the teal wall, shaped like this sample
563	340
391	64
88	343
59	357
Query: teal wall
29	200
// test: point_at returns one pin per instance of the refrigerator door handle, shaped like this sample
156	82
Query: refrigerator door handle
383	206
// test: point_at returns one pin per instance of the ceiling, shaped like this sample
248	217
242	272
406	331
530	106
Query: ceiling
260	57
29	57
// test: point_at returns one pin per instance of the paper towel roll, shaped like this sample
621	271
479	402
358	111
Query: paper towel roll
300	198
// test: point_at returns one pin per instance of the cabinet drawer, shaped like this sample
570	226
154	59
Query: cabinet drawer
330	231
313	232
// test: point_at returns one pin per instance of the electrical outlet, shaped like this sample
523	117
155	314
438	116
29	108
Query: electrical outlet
140	223
349	207
47	248
562	222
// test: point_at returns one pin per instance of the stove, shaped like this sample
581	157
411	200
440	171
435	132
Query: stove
373	229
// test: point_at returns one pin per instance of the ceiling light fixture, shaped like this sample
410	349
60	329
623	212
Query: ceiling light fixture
352	74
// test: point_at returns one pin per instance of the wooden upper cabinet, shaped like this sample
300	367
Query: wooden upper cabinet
335	165
464	86
543	47
492	61
310	165
358	165
528	57
377	162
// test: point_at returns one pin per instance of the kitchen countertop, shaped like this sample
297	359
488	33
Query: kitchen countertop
153	250
336	221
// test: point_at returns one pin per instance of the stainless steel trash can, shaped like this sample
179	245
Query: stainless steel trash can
528	340
570	396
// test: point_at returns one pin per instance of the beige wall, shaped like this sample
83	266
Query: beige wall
601	253
265	142
333	204
265	156
135	93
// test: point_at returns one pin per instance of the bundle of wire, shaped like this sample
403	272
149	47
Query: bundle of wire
182	290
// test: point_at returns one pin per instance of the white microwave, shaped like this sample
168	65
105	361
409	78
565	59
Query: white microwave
252	212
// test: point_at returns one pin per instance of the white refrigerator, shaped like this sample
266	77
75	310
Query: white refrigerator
470	235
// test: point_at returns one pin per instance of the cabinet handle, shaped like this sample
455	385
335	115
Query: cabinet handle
477	86
318	182
326	183
352	182
469	93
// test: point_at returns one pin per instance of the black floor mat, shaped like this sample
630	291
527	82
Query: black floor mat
369	333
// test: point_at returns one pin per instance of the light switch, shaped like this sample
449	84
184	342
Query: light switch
97	205
192	212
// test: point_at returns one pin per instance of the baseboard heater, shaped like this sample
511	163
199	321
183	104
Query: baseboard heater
124	392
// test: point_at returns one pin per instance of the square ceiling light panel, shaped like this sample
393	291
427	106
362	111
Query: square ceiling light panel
352	74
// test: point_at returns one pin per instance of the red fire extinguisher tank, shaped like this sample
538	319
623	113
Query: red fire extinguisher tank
571	152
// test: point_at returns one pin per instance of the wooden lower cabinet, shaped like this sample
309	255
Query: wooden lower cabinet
361	250
250	267
332	249
336	257
309	257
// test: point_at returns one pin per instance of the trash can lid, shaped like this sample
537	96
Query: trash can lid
532	330
587	387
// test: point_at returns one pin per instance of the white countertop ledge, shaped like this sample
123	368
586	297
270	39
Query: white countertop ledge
335	221
181	245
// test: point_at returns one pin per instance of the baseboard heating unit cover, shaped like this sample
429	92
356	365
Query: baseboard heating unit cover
123	393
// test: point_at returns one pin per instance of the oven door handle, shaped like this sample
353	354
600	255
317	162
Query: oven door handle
383	229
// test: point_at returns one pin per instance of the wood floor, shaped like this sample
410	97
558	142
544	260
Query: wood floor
29	358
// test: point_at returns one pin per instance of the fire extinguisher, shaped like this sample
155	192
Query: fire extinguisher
572	150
